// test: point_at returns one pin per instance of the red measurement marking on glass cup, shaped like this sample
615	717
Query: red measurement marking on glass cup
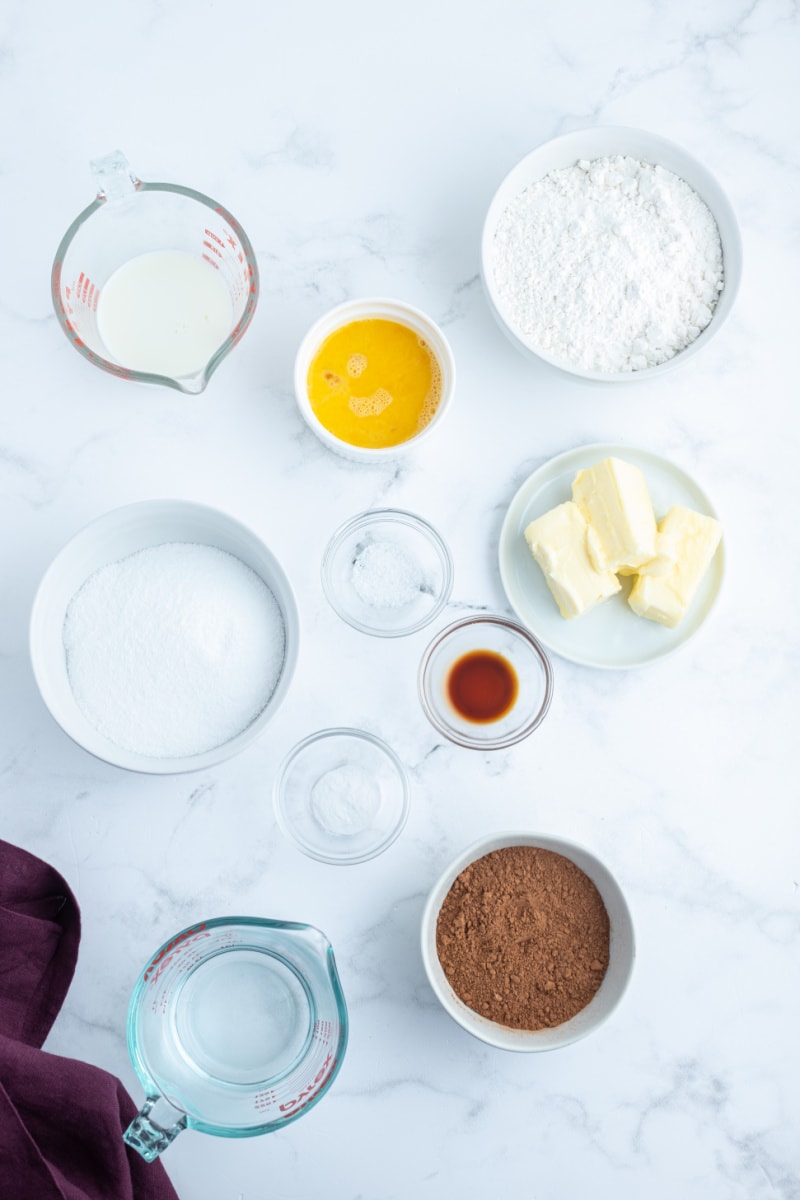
172	948
211	241
86	293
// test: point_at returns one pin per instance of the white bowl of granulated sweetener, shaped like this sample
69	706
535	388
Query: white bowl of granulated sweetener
527	941
164	636
611	254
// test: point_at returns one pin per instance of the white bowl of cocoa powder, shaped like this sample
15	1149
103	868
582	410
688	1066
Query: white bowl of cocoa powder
527	941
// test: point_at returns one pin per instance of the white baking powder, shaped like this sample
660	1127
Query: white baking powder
173	650
611	265
345	800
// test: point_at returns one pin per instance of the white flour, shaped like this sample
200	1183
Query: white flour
611	265
173	650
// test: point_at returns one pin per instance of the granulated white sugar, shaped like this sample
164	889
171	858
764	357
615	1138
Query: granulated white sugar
610	265
173	650
385	575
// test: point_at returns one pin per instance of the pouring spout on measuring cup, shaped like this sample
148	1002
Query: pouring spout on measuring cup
193	385
154	1127
113	176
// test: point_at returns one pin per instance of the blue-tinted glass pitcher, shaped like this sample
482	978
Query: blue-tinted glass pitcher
236	1027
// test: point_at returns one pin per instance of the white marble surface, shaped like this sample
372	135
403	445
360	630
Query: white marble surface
359	145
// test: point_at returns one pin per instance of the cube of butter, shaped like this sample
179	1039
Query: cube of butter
557	541
691	540
662	563
613	497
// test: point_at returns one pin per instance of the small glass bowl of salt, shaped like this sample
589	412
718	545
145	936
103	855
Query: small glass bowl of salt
387	572
341	795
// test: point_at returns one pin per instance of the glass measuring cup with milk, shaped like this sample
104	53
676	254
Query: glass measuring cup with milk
236	1026
154	282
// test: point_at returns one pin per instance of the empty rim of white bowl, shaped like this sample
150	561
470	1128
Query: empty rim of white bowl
373	308
622	948
600	141
77	560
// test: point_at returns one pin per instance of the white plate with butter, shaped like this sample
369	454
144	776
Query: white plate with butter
611	635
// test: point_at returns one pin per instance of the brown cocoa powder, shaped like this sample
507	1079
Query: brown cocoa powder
523	937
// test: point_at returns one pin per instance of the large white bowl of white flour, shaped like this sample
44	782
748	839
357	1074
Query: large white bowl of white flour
611	254
164	637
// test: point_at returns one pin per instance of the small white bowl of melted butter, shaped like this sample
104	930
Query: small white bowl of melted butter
373	378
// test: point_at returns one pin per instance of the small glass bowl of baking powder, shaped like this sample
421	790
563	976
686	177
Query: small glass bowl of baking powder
341	795
387	572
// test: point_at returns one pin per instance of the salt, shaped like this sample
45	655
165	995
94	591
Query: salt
612	264
173	650
386	576
345	800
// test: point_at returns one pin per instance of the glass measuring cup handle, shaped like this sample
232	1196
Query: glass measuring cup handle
113	176
154	1127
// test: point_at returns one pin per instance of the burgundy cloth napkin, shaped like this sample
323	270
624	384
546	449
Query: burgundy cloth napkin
61	1121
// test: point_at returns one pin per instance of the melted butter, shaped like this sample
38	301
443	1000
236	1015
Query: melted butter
374	383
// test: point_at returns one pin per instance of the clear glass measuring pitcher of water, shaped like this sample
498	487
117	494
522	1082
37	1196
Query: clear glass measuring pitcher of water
154	282
236	1027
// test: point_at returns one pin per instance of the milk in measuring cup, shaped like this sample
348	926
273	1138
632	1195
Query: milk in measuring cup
165	312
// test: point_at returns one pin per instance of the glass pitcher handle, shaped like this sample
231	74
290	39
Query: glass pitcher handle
113	176
154	1128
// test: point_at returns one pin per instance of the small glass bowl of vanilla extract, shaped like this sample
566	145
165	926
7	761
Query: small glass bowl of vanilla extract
485	682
